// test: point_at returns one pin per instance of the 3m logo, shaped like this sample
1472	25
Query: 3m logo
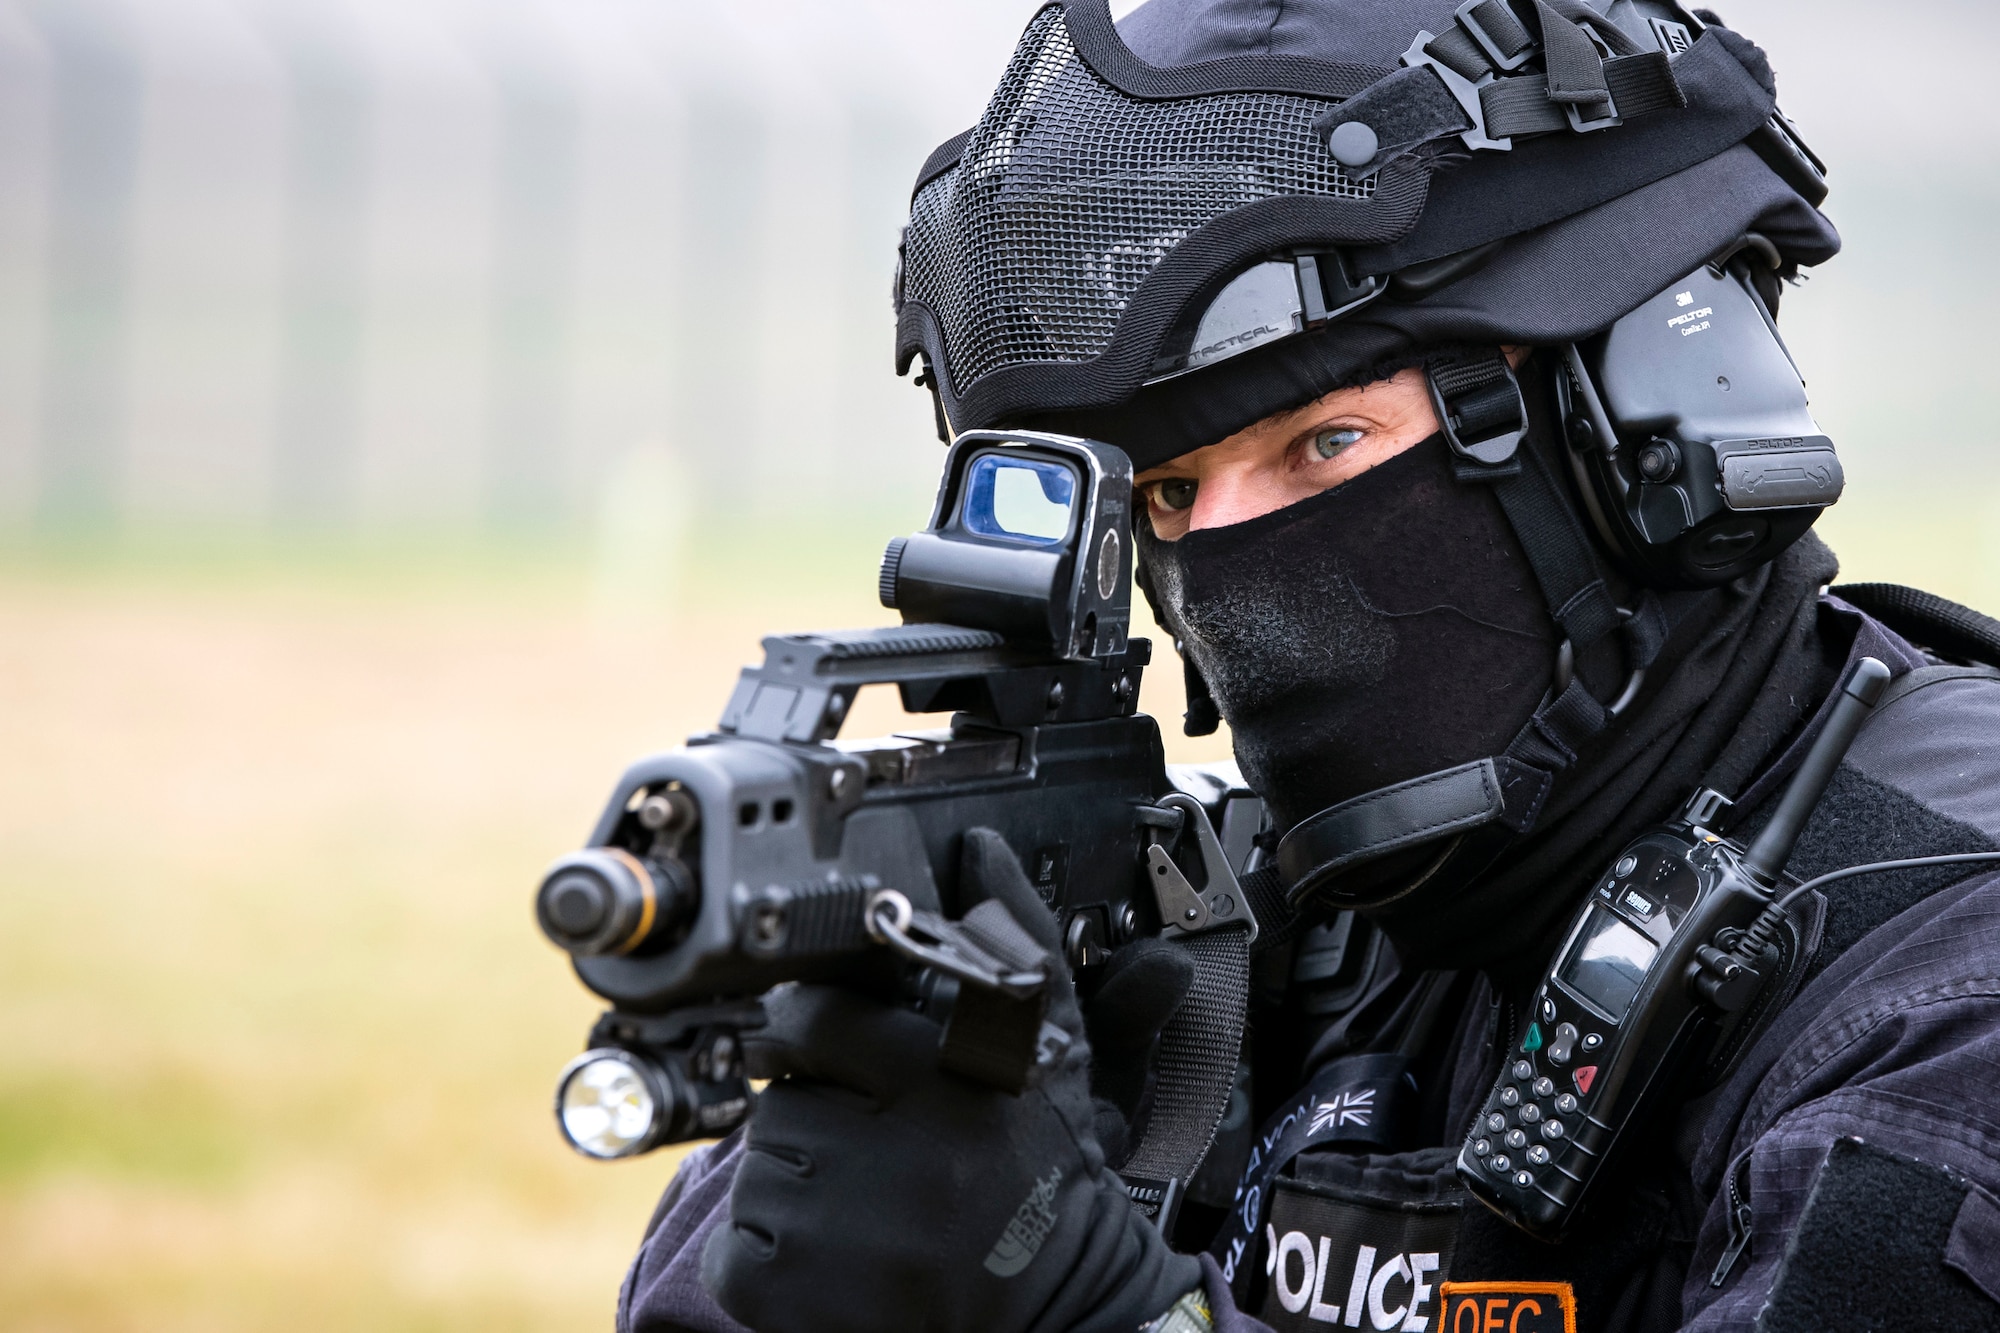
1347	1108
1507	1307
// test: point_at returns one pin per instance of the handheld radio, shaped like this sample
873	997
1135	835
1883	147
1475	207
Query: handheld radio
1670	942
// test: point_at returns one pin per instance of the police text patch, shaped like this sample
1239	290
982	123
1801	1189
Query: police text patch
1344	1263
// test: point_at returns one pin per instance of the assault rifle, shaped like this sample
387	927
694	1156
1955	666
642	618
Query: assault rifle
772	851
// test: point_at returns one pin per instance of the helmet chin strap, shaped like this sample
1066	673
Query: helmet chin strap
1382	845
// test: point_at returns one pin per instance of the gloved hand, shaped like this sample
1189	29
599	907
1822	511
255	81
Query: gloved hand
880	1192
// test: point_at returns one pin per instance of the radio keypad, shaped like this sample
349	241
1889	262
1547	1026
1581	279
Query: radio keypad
1526	1135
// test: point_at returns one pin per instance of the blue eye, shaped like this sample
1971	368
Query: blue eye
1330	442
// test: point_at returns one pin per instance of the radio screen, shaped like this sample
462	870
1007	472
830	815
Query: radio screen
1607	963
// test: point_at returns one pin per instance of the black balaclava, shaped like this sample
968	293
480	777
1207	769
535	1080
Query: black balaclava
1743	667
1387	628
1392	627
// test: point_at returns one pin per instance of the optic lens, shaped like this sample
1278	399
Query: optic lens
606	1105
1019	499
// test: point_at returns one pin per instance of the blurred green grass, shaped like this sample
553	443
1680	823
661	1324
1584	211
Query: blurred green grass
279	1031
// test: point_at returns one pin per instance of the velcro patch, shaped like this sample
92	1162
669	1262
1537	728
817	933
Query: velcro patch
1874	1249
1507	1307
1355	1264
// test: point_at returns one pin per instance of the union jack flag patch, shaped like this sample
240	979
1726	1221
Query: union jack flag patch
1353	1107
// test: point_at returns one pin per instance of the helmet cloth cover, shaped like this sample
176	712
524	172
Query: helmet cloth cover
1061	252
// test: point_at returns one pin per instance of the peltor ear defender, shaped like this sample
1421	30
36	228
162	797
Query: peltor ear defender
1692	440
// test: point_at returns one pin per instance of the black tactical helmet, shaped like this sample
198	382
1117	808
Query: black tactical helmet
1163	230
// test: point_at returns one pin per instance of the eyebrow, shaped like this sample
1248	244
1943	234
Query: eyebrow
1289	421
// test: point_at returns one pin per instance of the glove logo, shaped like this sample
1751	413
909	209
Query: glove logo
1032	1222
1347	1108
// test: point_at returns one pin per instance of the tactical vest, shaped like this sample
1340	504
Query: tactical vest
1330	1231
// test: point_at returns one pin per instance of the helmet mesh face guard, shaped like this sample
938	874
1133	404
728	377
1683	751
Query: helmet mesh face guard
1070	192
1062	257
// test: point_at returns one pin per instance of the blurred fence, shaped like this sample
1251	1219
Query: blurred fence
352	266
343	264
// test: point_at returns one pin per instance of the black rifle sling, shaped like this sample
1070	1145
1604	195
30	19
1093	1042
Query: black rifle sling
1195	1072
1200	1047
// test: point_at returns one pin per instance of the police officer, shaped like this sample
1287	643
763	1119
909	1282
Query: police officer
1477	486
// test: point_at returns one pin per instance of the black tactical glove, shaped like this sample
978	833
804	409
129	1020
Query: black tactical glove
880	1192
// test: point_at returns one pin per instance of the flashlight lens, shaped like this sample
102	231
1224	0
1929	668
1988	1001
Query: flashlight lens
607	1107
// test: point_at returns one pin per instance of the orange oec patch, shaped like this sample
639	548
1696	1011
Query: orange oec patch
1507	1307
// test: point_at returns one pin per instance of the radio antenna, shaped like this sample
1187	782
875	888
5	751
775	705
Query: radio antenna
1773	848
